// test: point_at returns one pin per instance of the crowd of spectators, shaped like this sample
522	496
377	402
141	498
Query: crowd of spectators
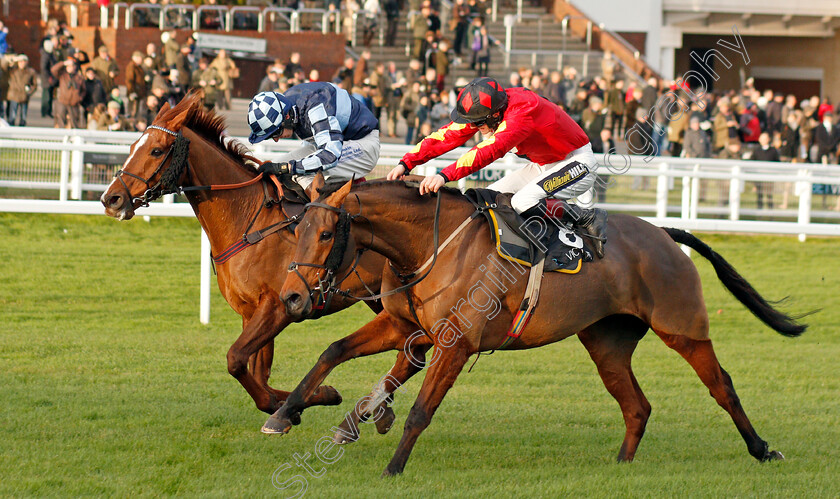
748	123
80	92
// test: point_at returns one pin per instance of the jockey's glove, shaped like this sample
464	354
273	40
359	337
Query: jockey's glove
275	168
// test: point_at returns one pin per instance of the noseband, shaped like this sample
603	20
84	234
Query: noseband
179	151
329	285
321	295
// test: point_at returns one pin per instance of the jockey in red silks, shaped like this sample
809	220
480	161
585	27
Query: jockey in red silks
518	120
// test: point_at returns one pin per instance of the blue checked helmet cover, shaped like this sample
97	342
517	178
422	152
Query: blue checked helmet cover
266	115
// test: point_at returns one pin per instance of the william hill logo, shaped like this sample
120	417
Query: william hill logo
572	174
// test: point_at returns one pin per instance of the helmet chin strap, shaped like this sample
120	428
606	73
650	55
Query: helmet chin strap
293	118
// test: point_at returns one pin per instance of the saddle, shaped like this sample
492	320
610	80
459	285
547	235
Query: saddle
529	242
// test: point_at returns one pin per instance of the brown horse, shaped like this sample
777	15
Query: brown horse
251	279
467	302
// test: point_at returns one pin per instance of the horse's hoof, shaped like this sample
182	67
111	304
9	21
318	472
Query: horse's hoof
389	472
341	436
386	421
295	418
275	426
327	395
774	455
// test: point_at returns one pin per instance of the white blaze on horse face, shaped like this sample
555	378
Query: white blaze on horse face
137	145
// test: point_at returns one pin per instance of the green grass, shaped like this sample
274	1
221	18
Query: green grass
110	386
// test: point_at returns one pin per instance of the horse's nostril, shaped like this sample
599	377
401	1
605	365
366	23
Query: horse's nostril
114	201
293	300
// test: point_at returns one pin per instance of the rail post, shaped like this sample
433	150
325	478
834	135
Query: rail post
76	168
64	172
804	190
735	194
204	306
662	192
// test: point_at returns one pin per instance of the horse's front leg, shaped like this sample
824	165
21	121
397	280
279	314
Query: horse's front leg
268	320
383	333
439	379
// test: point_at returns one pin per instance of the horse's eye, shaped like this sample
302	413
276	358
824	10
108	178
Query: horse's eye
326	235
157	152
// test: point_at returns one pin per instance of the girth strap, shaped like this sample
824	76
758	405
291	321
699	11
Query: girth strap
526	308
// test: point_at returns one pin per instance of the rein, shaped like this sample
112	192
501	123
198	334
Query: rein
179	152
327	284
168	184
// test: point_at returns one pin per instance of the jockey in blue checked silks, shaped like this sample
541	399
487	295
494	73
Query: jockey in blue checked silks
340	135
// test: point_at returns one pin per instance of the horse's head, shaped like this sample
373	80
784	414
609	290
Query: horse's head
156	162
324	250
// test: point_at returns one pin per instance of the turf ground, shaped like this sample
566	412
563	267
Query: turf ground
110	386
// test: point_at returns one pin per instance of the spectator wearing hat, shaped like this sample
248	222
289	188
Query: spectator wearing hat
135	83
112	120
227	71
207	78
22	84
171	48
106	68
725	125
71	91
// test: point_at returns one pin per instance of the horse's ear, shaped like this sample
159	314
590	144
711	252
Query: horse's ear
176	122
317	183
163	109
337	198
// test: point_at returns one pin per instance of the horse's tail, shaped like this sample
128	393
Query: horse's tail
739	286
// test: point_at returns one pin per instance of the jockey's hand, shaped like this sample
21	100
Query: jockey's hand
275	168
397	172
432	183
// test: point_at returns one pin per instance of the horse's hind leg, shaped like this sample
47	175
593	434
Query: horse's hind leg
701	356
611	343
377	403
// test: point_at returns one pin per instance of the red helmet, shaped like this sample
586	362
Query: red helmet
481	98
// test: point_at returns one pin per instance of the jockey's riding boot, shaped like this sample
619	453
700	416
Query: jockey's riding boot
593	222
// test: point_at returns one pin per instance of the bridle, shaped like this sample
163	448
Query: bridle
181	146
179	151
328	281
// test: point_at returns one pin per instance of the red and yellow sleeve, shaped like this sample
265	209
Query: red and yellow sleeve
442	141
507	137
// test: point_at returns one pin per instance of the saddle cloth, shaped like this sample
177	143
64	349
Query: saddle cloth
529	243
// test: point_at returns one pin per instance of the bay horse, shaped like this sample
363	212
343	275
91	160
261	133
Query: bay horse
466	302
250	281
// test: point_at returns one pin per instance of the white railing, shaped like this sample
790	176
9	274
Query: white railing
71	146
66	175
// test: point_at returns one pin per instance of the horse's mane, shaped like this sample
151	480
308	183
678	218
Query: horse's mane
206	123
